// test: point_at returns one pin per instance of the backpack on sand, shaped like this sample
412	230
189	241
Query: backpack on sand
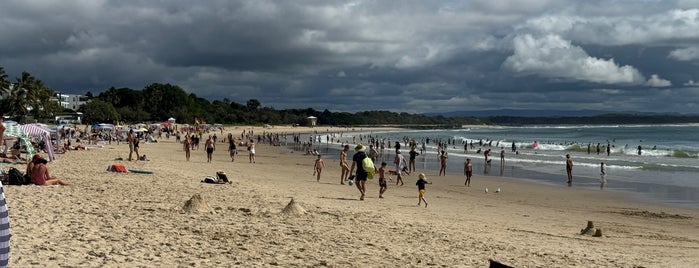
15	177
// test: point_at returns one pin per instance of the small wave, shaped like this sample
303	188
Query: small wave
684	154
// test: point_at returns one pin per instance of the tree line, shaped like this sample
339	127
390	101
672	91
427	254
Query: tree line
28	96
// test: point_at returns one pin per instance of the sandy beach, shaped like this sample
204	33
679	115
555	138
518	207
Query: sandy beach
111	219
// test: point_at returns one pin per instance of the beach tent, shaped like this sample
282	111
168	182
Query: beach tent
171	120
102	126
15	131
40	133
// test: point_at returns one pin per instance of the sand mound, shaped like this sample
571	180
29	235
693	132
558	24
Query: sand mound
293	208
196	204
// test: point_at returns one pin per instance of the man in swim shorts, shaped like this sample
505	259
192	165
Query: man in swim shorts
210	147
361	175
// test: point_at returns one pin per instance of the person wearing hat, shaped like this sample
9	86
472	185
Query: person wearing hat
361	175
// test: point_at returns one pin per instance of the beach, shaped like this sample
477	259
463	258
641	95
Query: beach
108	219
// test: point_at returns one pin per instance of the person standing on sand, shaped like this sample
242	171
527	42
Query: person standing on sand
251	150
343	164
411	163
187	146
421	181
443	163
468	171
361	174
133	144
569	168
318	167
210	146
383	186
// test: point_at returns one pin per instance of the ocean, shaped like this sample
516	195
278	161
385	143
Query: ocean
666	171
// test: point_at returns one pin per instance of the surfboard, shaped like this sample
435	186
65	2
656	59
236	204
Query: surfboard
140	171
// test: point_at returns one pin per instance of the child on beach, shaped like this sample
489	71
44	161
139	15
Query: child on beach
421	188
382	179
318	167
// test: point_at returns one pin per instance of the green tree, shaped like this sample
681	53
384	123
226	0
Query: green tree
99	111
253	104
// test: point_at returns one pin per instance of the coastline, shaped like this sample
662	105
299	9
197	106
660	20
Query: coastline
115	220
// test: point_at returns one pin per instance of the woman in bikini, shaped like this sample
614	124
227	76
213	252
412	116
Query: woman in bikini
343	164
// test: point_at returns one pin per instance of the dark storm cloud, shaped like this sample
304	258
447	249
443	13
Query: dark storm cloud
415	56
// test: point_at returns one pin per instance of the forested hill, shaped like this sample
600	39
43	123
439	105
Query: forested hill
608	119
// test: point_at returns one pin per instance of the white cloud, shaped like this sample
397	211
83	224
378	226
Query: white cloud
655	81
685	54
552	56
620	29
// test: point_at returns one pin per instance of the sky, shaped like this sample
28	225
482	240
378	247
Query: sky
347	56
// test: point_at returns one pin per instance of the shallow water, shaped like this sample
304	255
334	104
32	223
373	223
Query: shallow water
667	171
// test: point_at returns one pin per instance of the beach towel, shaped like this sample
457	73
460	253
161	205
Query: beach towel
118	168
209	179
4	230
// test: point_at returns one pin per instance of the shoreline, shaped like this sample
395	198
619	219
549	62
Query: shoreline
114	220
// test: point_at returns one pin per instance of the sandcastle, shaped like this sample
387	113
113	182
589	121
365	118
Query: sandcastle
196	204
293	208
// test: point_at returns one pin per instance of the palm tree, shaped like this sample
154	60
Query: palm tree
4	84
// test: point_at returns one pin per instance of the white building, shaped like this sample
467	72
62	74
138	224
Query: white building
71	101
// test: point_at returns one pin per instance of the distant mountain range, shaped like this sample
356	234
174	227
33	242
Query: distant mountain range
540	113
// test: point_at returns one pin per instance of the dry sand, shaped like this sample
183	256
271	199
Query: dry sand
154	220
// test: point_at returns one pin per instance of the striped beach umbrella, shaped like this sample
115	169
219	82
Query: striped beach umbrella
15	131
4	230
41	133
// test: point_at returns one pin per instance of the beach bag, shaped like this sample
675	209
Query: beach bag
210	179
15	177
368	166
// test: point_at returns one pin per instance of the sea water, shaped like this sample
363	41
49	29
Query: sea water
666	171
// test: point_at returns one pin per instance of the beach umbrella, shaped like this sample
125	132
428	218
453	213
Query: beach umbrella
4	230
15	131
41	133
166	123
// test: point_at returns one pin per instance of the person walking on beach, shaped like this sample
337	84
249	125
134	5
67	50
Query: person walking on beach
569	168
361	175
318	167
383	186
399	160
602	174
468	171
187	146
421	181
343	164
232	149
210	146
443	163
